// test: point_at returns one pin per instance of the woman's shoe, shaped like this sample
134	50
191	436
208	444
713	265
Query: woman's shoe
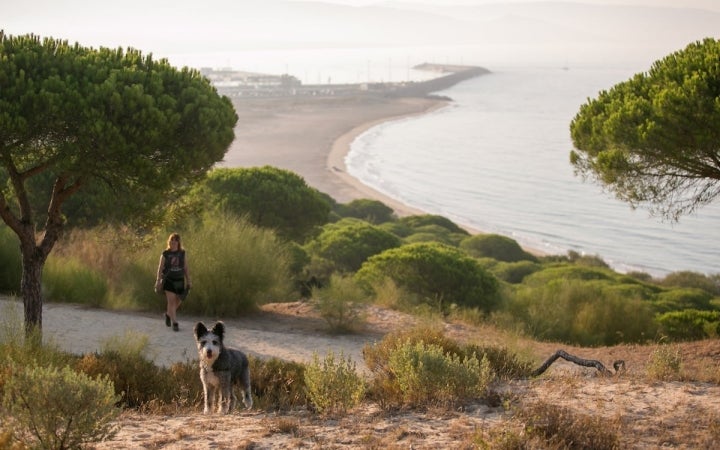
176	327
167	320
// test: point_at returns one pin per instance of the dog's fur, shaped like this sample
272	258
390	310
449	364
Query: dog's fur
220	369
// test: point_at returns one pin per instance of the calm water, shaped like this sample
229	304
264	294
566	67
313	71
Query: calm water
497	159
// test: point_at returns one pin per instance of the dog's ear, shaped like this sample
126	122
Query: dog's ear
219	330
200	330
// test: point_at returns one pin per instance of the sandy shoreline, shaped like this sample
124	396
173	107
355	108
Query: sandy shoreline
311	136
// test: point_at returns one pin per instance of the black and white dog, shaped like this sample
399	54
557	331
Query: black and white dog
220	369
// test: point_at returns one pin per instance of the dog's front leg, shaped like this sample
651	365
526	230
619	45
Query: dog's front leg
208	393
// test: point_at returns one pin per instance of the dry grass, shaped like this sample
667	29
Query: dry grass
566	404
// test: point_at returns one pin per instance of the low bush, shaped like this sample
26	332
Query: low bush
438	275
426	375
689	325
59	408
340	304
555	427
334	387
278	385
137	380
495	246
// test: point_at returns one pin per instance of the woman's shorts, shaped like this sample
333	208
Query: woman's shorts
176	286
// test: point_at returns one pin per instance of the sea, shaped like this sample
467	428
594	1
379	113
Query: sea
496	159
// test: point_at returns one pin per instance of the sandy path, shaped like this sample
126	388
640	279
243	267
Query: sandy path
80	330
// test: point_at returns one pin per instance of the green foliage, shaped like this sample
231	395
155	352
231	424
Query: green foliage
682	298
579	312
68	280
426	375
652	140
340	304
439	275
333	386
268	197
59	408
567	272
435	233
665	363
495	246
349	242
401	344
687	279
399	229
278	385
79	120
514	272
422	220
372	211
689	324
23	349
10	261
234	266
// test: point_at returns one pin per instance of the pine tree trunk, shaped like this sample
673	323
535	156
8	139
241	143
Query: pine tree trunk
31	290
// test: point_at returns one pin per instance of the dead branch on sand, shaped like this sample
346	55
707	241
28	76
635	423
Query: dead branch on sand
618	365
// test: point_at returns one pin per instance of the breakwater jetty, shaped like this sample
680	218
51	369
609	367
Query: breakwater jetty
244	84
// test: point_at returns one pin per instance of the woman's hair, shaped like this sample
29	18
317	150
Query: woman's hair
174	237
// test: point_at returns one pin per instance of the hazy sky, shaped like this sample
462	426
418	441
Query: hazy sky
712	5
225	32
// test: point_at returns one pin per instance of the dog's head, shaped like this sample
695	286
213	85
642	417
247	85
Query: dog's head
209	342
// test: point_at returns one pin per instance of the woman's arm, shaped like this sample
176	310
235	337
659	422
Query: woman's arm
186	269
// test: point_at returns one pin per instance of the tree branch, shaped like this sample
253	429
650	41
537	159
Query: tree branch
618	365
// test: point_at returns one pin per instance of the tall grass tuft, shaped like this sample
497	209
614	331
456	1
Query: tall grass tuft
235	267
70	281
665	363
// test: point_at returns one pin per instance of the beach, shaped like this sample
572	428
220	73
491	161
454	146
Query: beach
311	136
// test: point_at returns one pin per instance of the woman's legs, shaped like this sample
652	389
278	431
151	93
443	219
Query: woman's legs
173	303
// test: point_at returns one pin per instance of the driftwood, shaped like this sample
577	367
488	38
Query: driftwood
618	365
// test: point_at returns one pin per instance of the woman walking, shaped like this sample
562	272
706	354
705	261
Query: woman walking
173	277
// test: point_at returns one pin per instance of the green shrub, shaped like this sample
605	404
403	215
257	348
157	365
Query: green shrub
372	211
682	298
59	408
421	220
278	385
340	304
397	228
688	279
268	197
497	247
350	242
426	375
514	272
333	386
689	324
665	363
437	274
578	312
